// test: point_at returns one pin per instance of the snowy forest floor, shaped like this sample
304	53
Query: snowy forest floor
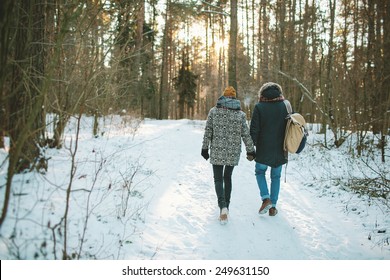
142	191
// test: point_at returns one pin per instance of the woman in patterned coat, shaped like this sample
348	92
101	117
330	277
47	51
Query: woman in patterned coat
225	127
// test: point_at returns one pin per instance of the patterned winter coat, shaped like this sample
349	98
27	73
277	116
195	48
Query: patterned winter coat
225	127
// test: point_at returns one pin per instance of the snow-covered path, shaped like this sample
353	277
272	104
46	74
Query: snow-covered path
181	220
145	193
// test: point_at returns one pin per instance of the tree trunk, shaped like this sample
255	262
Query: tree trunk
6	18
264	33
281	32
164	84
385	97
328	82
232	60
26	96
140	92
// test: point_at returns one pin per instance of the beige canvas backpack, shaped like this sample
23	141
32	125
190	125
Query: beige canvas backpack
296	133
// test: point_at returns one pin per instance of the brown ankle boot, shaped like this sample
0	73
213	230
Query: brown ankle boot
273	211
265	206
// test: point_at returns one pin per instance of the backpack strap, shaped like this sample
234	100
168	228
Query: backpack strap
285	173
289	111
288	106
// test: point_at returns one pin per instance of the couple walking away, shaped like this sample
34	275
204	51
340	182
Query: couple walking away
226	126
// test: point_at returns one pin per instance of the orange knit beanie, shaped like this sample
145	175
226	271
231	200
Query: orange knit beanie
229	92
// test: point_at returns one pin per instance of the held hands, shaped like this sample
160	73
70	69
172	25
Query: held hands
205	154
250	156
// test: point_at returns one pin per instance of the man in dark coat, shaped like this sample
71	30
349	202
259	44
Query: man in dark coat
267	131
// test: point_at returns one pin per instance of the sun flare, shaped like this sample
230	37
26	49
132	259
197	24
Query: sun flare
221	44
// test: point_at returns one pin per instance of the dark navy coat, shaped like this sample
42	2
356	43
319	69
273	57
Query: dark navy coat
267	131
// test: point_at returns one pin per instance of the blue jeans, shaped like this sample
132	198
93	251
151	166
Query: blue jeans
262	182
223	184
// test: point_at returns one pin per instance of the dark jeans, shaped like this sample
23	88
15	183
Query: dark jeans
223	177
